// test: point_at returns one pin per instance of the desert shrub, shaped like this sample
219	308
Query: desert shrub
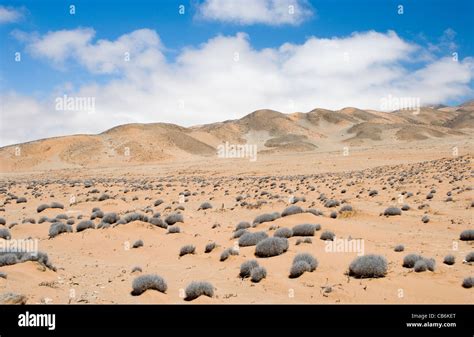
449	260
468	282
242	225
246	268
470	257
373	193
305	229
55	204
204	206
391	211
210	247
467	235
283	233
399	248
368	266
31	220
425	219
43	219
429	196
104	197
158	222
293	209
345	208
145	282
308	258
410	260
331	203
70	222
8	259
174	229
131	217
3	275
299	268
271	247
228	252
111	218
57	228
188	249
62	217
42	207
314	211
430	264
83	225
405	207
307	240
257	274
251	239
420	266
3	221
137	244
21	200
238	233
327	235
267	217
198	288
174	218
5	234
158	202
97	214
333	215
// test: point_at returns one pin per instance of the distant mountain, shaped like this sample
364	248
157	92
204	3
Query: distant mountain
271	131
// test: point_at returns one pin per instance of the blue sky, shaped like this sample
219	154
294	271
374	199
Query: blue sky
425	34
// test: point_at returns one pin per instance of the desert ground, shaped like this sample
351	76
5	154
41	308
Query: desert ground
339	170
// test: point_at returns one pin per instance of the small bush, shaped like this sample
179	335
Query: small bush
196	289
391	211
267	217
346	208
228	252
210	247
327	235
238	233
8	259
57	228
174	218
283	233
251	239
405	207
410	260
111	218
470	257
173	229
420	266
83	225
293	209
425	219
158	222
430	264
308	258
246	268
368	266
21	200
257	274
137	269
138	244
55	204
468	282
373	193
188	249
333	215
158	202
449	260
271	247
305	229
467	235
242	225
307	240
331	203
97	214
5	234
3	275
204	206
42	207
399	248
299	268
145	282
3	221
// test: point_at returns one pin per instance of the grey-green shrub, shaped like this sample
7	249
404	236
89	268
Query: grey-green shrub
145	282
368	266
198	288
257	274
271	247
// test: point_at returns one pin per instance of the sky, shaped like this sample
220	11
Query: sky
203	61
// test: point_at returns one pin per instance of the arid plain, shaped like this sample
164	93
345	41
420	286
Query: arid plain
379	179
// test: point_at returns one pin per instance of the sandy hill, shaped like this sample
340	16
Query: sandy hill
271	131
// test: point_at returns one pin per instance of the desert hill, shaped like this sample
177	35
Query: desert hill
271	131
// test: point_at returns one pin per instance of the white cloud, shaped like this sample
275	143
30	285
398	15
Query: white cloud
10	15
248	12
227	78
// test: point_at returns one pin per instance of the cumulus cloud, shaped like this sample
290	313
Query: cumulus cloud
10	14
248	12
226	78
